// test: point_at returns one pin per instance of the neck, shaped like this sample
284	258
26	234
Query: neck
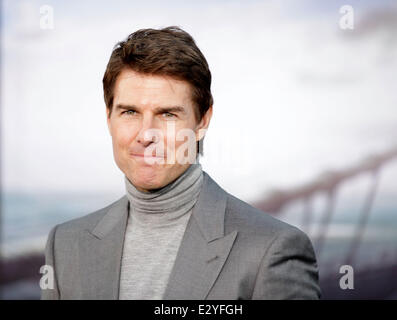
168	203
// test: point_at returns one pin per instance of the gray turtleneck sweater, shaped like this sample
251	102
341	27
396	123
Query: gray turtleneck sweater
156	223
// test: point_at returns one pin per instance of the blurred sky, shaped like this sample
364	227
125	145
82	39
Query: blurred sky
294	94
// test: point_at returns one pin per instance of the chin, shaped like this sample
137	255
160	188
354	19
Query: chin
142	183
148	178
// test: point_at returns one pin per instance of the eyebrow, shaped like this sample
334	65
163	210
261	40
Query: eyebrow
175	109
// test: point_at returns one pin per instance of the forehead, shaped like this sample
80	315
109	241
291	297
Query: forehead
151	90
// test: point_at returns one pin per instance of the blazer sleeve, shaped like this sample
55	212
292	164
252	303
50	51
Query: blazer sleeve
51	294
288	269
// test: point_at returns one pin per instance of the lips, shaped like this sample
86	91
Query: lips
143	155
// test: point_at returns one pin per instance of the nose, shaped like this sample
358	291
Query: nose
146	134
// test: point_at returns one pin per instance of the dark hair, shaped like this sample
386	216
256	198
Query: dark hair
170	51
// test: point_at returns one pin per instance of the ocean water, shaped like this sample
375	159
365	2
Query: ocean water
378	240
27	219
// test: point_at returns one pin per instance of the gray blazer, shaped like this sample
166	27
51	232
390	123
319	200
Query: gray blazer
230	250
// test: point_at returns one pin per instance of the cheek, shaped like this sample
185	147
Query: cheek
178	131
186	133
123	136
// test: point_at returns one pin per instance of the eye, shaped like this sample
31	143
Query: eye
168	115
128	112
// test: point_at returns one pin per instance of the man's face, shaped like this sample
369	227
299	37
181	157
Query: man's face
150	103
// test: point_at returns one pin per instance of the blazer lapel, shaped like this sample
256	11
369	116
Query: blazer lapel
101	251
204	247
200	258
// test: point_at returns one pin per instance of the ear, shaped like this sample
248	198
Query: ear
202	127
108	120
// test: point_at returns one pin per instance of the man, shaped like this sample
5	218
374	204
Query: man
176	234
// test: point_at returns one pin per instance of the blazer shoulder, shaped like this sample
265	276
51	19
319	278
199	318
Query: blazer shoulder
247	219
87	221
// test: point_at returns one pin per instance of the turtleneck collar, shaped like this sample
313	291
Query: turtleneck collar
167	204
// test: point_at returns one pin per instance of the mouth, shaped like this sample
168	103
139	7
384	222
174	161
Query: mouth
136	155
